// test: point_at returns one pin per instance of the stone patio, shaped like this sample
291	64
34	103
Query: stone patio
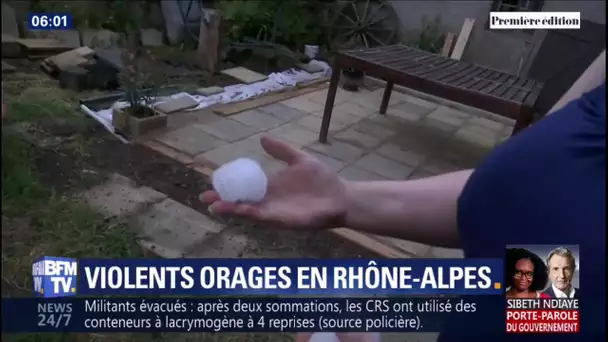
416	138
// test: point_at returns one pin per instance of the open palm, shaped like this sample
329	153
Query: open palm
305	194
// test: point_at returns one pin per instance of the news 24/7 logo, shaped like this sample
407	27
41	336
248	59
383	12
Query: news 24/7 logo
55	277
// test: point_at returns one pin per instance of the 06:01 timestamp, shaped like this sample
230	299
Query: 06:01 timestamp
42	21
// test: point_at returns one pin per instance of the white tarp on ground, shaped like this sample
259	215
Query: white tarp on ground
233	93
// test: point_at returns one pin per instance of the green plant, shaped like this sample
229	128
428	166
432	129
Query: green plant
124	16
138	82
289	22
431	37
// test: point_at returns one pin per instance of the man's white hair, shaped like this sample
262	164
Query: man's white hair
563	252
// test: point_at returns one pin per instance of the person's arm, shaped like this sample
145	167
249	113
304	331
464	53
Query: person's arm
590	79
422	210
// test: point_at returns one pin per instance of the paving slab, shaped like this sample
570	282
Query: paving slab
175	226
338	150
449	116
488	123
333	163
313	123
484	129
420	174
231	243
228	153
283	111
350	108
295	134
408	111
303	104
320	97
244	75
174	105
191	140
400	154
446	253
373	99
253	144
463	154
345	118
151	248
437	167
480	137
439	125
257	119
383	166
208	91
413	248
184	118
419	101
357	138
354	173
228	130
120	197
374	128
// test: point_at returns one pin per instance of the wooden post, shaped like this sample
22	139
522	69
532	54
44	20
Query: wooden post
447	44
209	39
463	38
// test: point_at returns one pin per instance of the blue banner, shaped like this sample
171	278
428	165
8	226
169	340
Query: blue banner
49	21
243	314
60	277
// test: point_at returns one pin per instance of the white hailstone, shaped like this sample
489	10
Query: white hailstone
241	180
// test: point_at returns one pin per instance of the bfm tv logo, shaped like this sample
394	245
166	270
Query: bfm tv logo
55	277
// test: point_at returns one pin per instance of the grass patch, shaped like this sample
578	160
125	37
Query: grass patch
38	222
42	102
35	220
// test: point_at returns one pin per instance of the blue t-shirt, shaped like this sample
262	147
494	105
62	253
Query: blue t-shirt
544	186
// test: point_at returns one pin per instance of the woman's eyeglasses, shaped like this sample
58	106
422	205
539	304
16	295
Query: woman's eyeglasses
520	274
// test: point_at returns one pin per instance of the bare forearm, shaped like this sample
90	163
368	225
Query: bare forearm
420	210
590	79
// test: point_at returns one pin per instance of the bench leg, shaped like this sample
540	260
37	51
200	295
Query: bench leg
329	102
386	97
526	116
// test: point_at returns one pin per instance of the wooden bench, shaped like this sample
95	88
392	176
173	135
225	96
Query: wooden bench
459	81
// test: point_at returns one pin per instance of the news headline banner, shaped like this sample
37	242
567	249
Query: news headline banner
232	314
240	277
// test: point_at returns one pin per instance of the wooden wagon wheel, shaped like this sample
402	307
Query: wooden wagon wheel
366	23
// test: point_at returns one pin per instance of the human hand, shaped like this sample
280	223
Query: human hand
306	194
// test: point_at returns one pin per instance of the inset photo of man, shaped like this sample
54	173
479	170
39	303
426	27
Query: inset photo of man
562	266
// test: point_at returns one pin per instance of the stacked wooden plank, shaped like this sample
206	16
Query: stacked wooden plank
73	58
35	48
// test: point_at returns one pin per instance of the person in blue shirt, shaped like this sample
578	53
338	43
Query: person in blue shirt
545	185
